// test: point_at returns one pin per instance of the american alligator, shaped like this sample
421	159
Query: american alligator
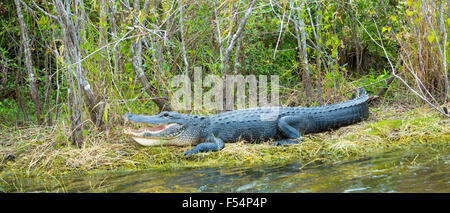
286	125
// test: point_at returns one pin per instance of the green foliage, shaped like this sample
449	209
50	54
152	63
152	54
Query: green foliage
107	34
374	82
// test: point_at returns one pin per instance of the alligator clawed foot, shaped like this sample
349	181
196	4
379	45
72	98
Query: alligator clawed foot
190	153
286	142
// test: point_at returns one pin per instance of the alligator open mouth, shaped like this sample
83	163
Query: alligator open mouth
153	135
146	129
153	130
141	131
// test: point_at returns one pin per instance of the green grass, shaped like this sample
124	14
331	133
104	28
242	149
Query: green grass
45	151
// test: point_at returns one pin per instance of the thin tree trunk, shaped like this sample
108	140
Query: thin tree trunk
103	36
183	48
237	65
148	88
301	42
237	34
219	37
73	82
316	32
4	74
19	99
306	72
79	82
356	43
319	58
157	45
227	55
48	84
136	49
443	30
29	65
117	55
75	104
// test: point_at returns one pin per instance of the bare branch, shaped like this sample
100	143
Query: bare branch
281	31
227	54
219	39
301	42
381	45
183	50
42	10
29	65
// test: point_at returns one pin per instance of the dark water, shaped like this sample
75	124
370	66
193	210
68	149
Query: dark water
410	171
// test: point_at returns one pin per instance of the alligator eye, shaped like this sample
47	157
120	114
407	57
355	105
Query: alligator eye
166	114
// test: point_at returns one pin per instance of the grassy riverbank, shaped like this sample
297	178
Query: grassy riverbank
45	151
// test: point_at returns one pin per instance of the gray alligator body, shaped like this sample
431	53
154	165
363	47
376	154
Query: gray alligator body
210	133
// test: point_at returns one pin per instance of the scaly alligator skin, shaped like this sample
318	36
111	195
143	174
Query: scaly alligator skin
210	133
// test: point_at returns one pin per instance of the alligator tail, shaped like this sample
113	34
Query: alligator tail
341	114
358	107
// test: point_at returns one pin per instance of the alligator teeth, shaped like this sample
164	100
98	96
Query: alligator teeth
148	129
153	129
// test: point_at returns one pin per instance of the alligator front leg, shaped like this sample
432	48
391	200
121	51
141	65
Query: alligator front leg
287	142
212	144
291	127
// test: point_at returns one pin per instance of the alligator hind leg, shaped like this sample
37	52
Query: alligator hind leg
213	144
291	127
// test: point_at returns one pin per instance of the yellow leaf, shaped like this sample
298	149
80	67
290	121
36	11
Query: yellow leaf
393	18
224	32
417	4
137	39
140	17
130	78
105	113
409	13
222	4
430	38
417	20
248	158
409	2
